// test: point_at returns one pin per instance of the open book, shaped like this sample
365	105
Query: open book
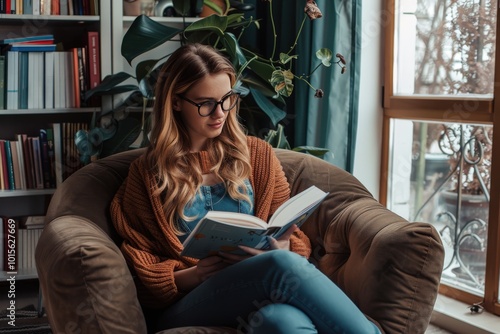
224	231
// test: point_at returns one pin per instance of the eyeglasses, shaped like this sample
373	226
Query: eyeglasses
207	108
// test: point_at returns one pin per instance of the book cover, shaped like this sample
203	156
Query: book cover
15	163
58	159
31	81
23	80
4	177
26	39
33	47
76	77
63	7
46	7
27	7
55	7
94	58
12	93
28	161
20	156
10	164
49	80
51	154
69	90
225	231
37	159
45	159
2	82
82	73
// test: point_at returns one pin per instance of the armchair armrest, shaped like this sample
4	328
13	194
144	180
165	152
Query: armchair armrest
390	268
85	282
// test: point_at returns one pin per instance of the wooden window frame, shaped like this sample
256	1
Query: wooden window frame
447	109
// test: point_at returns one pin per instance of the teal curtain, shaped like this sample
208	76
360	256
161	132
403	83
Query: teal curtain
332	121
329	122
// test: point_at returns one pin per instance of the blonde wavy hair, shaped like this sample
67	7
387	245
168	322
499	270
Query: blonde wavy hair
179	176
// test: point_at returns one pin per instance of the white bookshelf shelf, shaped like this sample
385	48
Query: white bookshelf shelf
26	192
63	111
164	19
10	18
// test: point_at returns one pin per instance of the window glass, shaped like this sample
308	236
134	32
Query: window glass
440	173
445	47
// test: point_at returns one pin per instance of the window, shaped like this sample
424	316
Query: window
439	121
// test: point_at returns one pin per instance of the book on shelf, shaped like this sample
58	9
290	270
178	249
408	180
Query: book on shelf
23	80
54	79
4	177
2	81
33	47
28	39
48	64
16	170
8	164
49	7
40	161
12	96
225	231
93	57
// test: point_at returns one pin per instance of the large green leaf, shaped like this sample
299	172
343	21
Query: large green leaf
262	69
263	86
214	23
274	113
233	50
144	35
110	85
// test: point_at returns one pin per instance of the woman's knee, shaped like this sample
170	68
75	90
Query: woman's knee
280	318
281	259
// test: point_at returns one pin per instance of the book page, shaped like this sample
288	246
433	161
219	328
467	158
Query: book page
235	218
297	206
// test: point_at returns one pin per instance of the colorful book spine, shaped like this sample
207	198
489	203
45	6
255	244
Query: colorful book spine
2	81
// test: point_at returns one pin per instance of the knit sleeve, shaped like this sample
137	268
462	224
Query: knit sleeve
136	222
272	189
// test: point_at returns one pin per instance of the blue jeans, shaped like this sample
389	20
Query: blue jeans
275	292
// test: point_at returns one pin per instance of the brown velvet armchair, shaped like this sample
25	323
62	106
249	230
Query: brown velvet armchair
388	266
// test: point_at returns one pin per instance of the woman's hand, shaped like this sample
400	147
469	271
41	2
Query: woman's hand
189	278
283	242
209	266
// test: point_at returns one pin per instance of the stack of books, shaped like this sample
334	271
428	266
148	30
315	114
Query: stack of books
29	43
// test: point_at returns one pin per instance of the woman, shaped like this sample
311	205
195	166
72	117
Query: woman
200	159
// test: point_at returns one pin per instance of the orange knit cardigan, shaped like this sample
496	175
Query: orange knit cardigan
152	250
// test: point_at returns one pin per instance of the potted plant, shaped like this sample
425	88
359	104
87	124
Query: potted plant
263	82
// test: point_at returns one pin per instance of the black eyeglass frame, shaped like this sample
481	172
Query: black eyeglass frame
224	98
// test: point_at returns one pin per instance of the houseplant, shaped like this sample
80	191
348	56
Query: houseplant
263	82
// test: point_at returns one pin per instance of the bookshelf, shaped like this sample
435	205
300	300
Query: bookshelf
69	31
111	25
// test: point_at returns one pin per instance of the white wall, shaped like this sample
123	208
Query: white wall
369	136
